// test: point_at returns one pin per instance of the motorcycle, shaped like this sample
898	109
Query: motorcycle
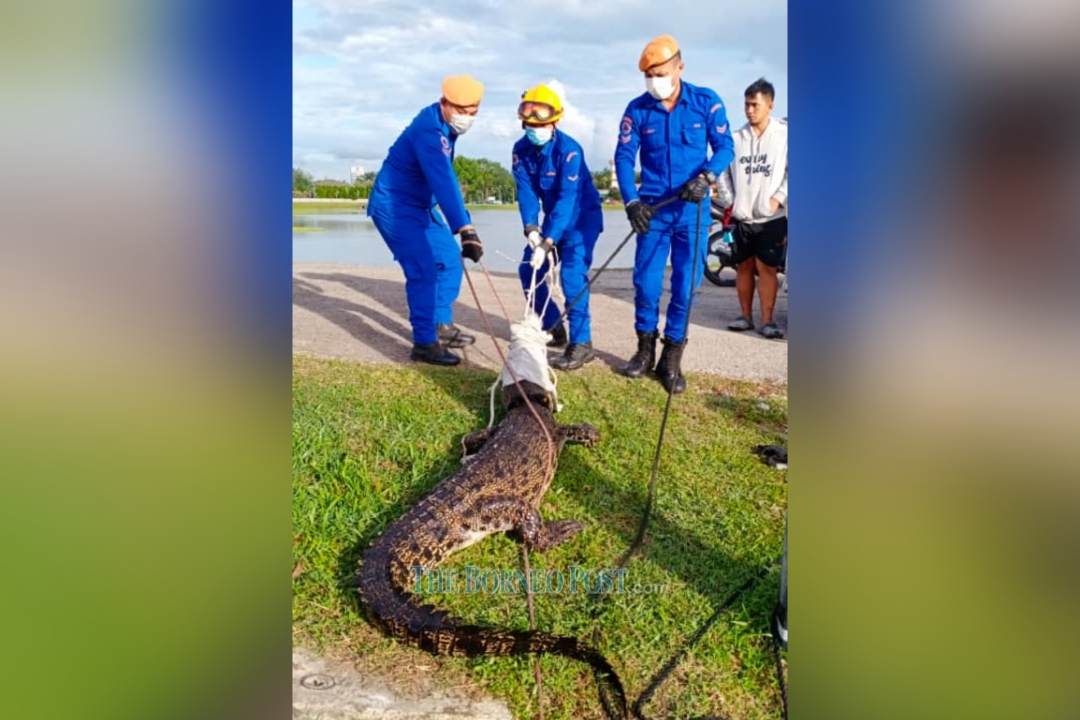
719	249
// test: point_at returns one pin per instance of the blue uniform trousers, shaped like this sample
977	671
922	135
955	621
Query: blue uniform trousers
671	231
575	252
431	259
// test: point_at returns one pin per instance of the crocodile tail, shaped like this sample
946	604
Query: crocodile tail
435	631
402	618
474	640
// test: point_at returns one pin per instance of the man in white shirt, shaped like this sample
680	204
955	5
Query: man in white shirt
755	187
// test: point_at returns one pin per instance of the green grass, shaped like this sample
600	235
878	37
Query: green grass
306	229
369	440
479	206
311	208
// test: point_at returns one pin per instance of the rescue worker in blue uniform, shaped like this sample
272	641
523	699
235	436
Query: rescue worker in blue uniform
550	173
674	124
417	175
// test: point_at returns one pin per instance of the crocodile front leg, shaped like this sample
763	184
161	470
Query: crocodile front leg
472	442
504	513
584	434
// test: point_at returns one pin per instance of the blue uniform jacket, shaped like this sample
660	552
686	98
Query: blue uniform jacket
554	175
674	145
419	169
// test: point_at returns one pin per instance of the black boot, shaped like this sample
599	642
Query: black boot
645	357
451	335
434	354
669	369
576	355
558	336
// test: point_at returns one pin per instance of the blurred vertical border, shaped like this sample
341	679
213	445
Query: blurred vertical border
935	165
145	372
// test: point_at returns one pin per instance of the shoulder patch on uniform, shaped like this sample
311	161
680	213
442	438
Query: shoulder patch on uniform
445	145
627	124
514	159
571	155
721	128
716	107
572	178
624	139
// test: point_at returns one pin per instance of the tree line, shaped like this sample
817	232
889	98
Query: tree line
481	181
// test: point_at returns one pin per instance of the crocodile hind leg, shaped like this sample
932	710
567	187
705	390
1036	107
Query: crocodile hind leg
584	434
504	513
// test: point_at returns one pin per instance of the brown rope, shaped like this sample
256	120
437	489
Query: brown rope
532	626
548	467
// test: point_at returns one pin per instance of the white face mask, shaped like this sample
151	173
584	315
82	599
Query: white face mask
461	123
660	87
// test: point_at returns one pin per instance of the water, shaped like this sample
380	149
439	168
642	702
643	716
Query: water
351	238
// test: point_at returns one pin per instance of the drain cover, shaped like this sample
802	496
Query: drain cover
318	681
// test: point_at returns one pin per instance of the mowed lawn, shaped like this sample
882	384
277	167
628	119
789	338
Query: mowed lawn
369	440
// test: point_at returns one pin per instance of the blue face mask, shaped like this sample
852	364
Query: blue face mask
539	136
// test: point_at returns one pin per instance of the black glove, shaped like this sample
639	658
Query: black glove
696	189
530	229
640	214
471	247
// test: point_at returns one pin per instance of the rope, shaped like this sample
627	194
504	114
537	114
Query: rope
608	261
549	463
779	674
635	545
554	267
671	664
532	626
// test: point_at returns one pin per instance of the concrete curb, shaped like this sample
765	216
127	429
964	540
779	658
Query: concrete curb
327	690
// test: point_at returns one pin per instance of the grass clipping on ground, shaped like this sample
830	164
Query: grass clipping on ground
369	440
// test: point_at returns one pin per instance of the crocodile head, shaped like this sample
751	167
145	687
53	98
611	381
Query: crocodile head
514	397
527	363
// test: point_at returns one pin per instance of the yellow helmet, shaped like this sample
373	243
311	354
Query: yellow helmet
539	106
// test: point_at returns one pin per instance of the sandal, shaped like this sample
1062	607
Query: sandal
741	324
770	331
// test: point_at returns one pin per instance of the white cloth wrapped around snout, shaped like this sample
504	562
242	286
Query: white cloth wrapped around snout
527	356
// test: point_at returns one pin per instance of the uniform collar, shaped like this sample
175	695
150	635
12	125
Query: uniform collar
443	125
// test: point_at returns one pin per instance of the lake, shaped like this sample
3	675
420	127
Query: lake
351	238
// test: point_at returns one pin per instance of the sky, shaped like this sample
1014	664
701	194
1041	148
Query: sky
362	69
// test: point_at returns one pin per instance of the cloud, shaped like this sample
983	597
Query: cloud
362	71
576	122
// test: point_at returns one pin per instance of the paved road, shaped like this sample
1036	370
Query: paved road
359	313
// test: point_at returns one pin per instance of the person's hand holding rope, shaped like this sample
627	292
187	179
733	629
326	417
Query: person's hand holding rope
541	252
640	216
532	234
697	188
541	247
471	247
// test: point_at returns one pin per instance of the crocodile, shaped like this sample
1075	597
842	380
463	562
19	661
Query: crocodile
498	489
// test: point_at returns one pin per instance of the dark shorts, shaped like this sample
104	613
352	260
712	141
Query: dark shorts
763	241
